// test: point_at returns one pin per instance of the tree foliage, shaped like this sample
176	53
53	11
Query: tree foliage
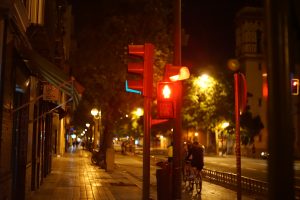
103	29
205	106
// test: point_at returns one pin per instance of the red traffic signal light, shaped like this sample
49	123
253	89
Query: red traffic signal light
144	68
166	100
295	86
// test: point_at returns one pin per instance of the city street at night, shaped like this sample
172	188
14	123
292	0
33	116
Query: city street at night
149	100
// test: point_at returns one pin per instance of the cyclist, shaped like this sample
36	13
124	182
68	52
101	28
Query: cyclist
195	154
193	168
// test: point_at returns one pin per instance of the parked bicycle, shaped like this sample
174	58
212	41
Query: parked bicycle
192	178
98	158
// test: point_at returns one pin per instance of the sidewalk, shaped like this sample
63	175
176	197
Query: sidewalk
74	177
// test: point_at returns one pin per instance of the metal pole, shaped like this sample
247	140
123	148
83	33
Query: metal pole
177	137
237	136
146	148
280	117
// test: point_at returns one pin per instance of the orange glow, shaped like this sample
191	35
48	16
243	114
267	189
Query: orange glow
265	88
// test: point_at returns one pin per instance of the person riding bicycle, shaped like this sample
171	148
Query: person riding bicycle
196	155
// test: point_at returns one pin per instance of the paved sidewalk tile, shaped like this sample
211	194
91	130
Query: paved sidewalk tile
74	177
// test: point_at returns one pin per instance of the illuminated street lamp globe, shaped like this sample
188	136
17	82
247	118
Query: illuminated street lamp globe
95	112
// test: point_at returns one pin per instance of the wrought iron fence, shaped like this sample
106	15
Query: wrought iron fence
248	185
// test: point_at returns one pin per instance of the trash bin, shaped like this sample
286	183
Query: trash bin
164	181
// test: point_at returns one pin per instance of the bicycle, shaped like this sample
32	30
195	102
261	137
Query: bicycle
192	177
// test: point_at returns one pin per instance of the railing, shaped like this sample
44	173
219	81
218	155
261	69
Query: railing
248	185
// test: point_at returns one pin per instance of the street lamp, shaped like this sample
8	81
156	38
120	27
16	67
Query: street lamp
88	136
96	113
204	82
97	119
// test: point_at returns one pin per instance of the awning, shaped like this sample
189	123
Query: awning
43	67
54	75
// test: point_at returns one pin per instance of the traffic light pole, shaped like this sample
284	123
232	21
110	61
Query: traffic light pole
177	141
146	148
143	87
177	137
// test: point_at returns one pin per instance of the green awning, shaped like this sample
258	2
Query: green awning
54	75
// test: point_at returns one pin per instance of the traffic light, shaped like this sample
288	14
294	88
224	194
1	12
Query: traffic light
144	67
295	86
166	100
176	73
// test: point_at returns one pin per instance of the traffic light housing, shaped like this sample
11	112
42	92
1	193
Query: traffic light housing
295	86
166	100
143	67
176	73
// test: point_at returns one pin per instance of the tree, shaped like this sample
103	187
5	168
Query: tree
207	103
251	127
103	31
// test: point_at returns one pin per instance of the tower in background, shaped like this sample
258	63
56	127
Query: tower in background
250	51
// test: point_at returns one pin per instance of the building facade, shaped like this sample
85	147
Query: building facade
251	53
37	91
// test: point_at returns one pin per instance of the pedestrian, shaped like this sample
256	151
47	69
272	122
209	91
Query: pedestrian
170	152
196	154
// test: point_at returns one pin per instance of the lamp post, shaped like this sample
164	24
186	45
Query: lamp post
88	136
240	95
97	119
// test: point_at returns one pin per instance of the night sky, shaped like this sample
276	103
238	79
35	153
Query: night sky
210	25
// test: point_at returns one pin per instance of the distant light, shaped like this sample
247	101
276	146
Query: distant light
139	112
225	125
73	136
